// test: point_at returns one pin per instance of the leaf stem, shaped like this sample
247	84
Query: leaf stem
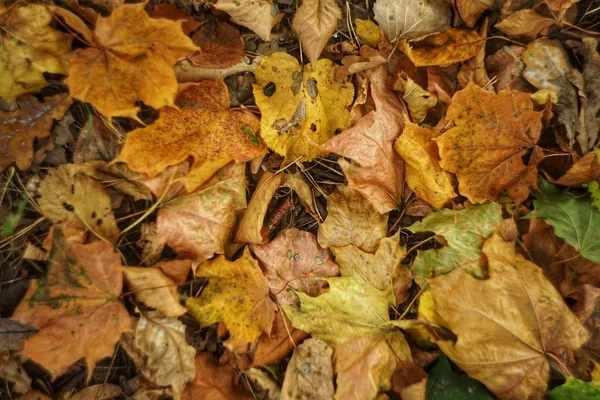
559	362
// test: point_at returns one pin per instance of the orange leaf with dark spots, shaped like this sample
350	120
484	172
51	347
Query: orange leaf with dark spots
492	149
221	46
203	128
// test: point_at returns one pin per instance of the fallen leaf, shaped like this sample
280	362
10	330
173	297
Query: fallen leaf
351	220
12	334
79	202
560	5
154	289
507	66
265	381
12	370
203	128
381	269
504	349
301	188
303	109
575	389
471	10
368	32
582	171
409	381
314	22
447	47
473	70
188	72
445	384
75	306
423	172
407	20
250	229
19	129
130	59
103	391
547	65
238	295
573	219
199	224
96	141
29	47
309	373
294	260
588	123
170	11
352	319
418	99
464	233
485	148
177	270
213	382
259	16
376	171
221	46
526	23
168	359
33	395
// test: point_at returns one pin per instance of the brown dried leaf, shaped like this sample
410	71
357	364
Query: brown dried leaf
170	11
525	23
448	47
314	22
376	171
351	220
471	10
33	119
407	20
221	46
582	171
507	66
214	382
75	306
154	289
259	16
292	261
485	149
504	339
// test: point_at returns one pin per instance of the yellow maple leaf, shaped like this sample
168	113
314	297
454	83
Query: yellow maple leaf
301	107
238	295
28	48
203	128
447	47
423	172
130	59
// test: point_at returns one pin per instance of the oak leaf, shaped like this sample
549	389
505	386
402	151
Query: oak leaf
351	220
19	129
75	306
503	348
407	20
70	197
423	173
130	59
471	10
525	23
352	318
464	233
154	289
292	261
213	382
203	128
485	148
221	46
199	224
28	48
307	107
238	295
309	373
376	170
168	358
573	219
547	66
447	47
314	23
381	269
250	228
259	16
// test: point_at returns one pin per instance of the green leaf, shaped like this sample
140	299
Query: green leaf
444	384
573	219
464	232
12	221
594	190
574	389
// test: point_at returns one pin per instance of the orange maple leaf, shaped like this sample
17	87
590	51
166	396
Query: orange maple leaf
492	148
75	306
203	128
130	59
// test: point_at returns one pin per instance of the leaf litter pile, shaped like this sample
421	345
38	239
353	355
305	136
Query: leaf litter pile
314	199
